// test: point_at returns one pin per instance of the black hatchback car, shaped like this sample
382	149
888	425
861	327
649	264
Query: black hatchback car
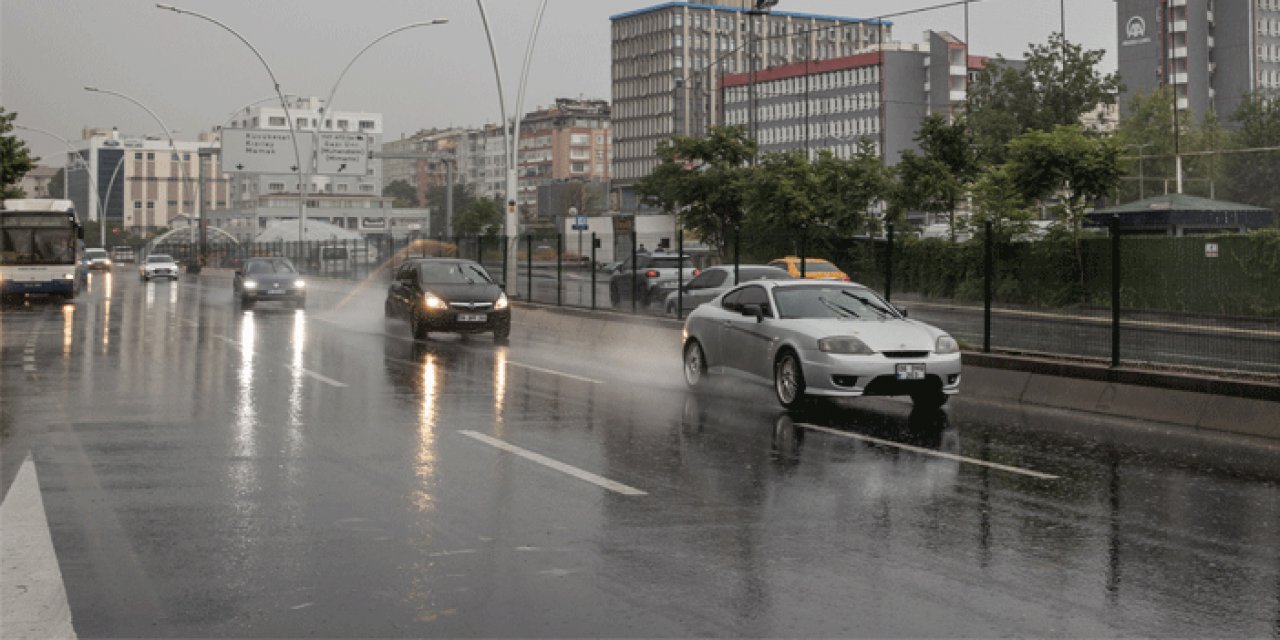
449	295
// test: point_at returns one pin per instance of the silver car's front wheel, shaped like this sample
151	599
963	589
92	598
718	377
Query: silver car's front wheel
788	379
695	364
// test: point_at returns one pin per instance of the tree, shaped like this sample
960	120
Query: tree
481	216
1058	83
1252	177
849	188
704	180
938	180
406	196
436	201
996	198
15	158
1076	166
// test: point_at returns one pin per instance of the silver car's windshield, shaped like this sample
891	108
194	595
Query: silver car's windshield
159	258
850	303
269	266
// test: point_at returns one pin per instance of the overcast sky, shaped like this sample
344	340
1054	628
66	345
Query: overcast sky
194	74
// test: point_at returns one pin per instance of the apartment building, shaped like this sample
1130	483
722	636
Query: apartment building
1212	52
569	141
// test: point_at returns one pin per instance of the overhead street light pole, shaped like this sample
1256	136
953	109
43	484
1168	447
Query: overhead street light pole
511	223
325	107
297	156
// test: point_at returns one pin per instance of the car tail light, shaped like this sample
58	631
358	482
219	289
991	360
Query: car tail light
651	274
847	279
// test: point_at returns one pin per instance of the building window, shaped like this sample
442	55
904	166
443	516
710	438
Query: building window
275	187
137	156
151	156
137	204
151	204
342	124
366	125
578	167
366	188
342	188
274	121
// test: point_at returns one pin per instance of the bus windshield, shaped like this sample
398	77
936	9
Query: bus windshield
37	246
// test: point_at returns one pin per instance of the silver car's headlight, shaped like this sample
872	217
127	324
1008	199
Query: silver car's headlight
946	344
251	284
501	303
844	344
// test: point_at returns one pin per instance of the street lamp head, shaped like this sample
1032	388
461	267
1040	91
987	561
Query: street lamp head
440	21
168	7
94	89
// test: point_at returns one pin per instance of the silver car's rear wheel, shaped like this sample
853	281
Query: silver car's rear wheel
788	379
695	364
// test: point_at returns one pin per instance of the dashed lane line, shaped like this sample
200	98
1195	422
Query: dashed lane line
33	595
599	481
930	452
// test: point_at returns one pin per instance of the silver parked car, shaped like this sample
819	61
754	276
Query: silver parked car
716	280
158	265
820	338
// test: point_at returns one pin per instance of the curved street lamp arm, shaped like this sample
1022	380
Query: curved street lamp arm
70	147
524	77
154	116
324	107
497	75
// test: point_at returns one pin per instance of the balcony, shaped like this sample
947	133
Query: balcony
959	70
1178	52
1179	78
957	96
1182	103
1179	26
1177	3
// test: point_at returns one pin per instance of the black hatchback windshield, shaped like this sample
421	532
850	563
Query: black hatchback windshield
269	266
453	273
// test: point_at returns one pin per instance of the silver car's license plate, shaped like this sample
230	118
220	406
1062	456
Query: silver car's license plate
910	372
277	292
471	317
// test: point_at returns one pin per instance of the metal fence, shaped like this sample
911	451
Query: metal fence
1195	303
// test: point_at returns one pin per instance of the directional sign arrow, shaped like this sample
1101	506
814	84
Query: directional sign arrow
240	166
341	167
293	167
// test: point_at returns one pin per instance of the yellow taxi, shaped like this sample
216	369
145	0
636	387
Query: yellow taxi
814	269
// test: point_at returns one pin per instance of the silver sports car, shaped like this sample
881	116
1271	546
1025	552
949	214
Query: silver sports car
821	339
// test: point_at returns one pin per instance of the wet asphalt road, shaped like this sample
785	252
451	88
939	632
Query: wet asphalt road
213	472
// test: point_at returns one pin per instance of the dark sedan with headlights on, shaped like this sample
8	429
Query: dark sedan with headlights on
449	295
269	279
821	338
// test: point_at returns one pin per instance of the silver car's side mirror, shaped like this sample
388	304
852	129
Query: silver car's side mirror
901	310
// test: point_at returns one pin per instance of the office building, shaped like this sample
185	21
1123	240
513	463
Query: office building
880	96
665	60
139	183
1212	52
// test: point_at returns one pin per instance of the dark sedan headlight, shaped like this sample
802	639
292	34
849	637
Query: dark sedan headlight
502	302
844	344
298	284
251	284
433	301
946	344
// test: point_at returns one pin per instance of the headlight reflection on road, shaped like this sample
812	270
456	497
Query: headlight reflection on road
426	458
106	290
106	324
68	327
298	341
151	294
500	388
246	414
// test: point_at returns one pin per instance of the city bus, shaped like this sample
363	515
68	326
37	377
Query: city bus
40	247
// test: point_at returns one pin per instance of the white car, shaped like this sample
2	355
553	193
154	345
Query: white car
820	338
158	265
97	259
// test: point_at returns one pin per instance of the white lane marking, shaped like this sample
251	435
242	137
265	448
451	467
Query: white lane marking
32	591
306	372
1132	324
553	372
459	552
28	358
930	452
30	368
616	487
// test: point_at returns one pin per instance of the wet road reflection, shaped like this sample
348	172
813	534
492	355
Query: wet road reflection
301	472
